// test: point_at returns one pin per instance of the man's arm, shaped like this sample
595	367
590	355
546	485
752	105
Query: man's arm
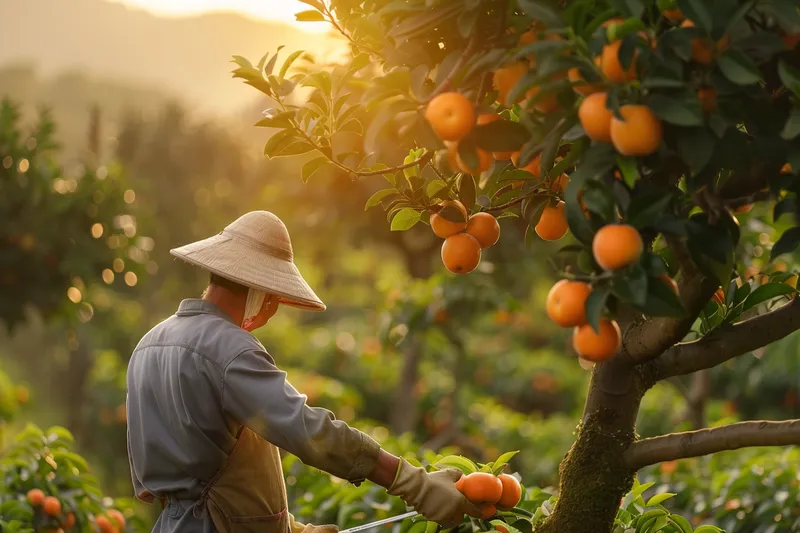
256	393
385	470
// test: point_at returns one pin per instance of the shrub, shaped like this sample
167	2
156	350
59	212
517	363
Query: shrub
40	464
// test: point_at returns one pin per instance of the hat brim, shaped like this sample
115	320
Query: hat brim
235	260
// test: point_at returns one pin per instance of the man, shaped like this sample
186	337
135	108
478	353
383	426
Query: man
208	409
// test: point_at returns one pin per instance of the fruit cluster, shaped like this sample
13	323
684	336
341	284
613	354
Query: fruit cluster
112	522
490	492
615	246
464	237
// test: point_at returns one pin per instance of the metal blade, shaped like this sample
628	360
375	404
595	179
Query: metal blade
377	523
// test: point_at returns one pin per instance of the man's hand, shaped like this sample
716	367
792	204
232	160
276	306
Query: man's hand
433	495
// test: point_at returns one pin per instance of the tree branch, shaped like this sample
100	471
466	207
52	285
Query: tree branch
706	441
422	161
728	342
510	203
648	339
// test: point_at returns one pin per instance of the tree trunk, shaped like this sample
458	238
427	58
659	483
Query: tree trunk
403	417
698	397
80	364
593	475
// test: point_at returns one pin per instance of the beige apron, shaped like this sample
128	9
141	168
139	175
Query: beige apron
248	493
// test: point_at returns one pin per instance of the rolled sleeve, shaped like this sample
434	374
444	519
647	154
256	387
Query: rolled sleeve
257	394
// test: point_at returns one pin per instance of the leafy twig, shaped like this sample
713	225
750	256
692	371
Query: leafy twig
346	35
427	156
510	203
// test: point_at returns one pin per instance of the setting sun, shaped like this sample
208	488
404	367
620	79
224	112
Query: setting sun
280	10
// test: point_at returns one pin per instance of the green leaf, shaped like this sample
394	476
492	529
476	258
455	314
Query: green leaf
697	11
296	147
321	80
311	15
633	286
660	498
765	293
640	489
681	112
662	300
629	169
455	461
501	462
434	187
708	529
783	207
598	199
543	11
405	219
696	146
790	76
378	196
786	243
271	63
501	136
466	191
711	247
595	305
288	63
276	120
412	171
645	210
792	127
738	68
654	264
738	15
279	141
681	523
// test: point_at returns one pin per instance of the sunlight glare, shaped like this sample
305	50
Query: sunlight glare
275	10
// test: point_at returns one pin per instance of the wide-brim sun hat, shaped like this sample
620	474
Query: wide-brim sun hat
254	251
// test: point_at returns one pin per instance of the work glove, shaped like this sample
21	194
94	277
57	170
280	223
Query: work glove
297	527
433	495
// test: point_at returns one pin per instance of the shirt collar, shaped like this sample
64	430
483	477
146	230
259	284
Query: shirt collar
198	306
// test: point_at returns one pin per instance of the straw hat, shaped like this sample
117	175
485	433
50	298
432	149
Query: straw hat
255	251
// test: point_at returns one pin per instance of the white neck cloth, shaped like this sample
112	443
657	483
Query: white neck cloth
255	299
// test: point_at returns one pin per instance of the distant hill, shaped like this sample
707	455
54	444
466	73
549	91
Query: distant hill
186	57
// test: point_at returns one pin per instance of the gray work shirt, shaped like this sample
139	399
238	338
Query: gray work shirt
192	381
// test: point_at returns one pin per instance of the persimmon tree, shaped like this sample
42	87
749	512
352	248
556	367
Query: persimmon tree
643	130
63	227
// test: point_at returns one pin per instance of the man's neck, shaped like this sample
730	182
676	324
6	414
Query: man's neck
231	303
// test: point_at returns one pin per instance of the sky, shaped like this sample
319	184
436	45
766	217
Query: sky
279	10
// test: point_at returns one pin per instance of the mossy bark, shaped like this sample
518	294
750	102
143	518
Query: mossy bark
593	475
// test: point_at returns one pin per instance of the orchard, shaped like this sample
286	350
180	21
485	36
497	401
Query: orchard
657	142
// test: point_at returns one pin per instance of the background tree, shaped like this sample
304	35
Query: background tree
639	126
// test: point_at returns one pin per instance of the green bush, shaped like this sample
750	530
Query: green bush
744	491
44	461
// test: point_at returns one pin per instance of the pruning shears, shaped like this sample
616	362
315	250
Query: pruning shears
377	523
